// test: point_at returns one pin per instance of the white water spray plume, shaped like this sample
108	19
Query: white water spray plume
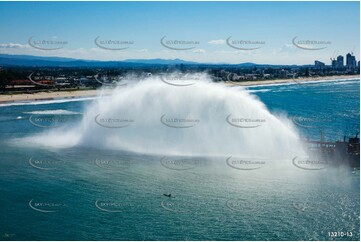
188	116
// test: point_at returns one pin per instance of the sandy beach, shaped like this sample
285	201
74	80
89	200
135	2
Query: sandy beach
26	97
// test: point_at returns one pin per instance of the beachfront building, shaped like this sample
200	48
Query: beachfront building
62	81
334	63
340	61
350	61
319	65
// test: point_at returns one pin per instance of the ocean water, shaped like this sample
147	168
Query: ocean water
64	176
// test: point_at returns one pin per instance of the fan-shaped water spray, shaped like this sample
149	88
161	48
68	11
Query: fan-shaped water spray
151	116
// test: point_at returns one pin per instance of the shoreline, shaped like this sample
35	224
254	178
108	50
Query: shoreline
62	95
47	96
293	81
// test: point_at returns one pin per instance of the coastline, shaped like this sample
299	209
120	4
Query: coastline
58	95
44	96
295	81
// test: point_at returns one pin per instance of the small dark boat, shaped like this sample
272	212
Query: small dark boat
167	195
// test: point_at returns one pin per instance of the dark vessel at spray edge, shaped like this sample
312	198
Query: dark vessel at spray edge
339	152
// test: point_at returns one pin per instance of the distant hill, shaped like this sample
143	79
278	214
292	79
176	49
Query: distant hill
162	61
40	61
33	57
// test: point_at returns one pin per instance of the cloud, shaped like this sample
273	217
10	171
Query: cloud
288	48
217	42
143	50
13	46
287	54
96	50
224	51
199	51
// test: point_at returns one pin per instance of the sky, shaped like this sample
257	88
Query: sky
258	32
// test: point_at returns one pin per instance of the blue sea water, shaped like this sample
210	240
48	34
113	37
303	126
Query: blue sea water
331	106
89	194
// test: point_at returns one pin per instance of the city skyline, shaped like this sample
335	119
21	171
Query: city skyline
337	63
281	33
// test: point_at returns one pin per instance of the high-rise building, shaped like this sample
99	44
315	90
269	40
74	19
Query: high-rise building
339	61
350	61
334	63
319	64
